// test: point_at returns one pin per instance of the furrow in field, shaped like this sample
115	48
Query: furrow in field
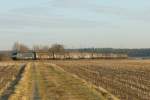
128	80
42	81
11	79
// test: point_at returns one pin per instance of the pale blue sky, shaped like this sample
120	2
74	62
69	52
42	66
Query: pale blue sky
76	23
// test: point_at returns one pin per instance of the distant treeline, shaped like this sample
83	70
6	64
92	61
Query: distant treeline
144	53
129	52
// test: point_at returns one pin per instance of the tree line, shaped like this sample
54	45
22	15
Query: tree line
56	48
21	47
129	52
59	48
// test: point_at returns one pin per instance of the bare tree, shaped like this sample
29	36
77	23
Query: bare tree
36	48
20	47
56	48
16	46
45	48
40	48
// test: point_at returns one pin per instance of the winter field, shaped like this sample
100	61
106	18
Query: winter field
75	80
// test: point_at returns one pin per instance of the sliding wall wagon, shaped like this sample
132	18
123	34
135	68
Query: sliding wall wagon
43	55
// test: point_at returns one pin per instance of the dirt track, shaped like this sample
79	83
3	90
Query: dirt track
42	81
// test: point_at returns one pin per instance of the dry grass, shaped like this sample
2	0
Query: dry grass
78	80
8	76
126	79
48	82
24	88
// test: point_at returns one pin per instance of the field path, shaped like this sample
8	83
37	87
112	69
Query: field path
11	87
43	81
36	95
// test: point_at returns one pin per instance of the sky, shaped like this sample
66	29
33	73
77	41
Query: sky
75	23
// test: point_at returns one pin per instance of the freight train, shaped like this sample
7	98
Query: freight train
43	55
